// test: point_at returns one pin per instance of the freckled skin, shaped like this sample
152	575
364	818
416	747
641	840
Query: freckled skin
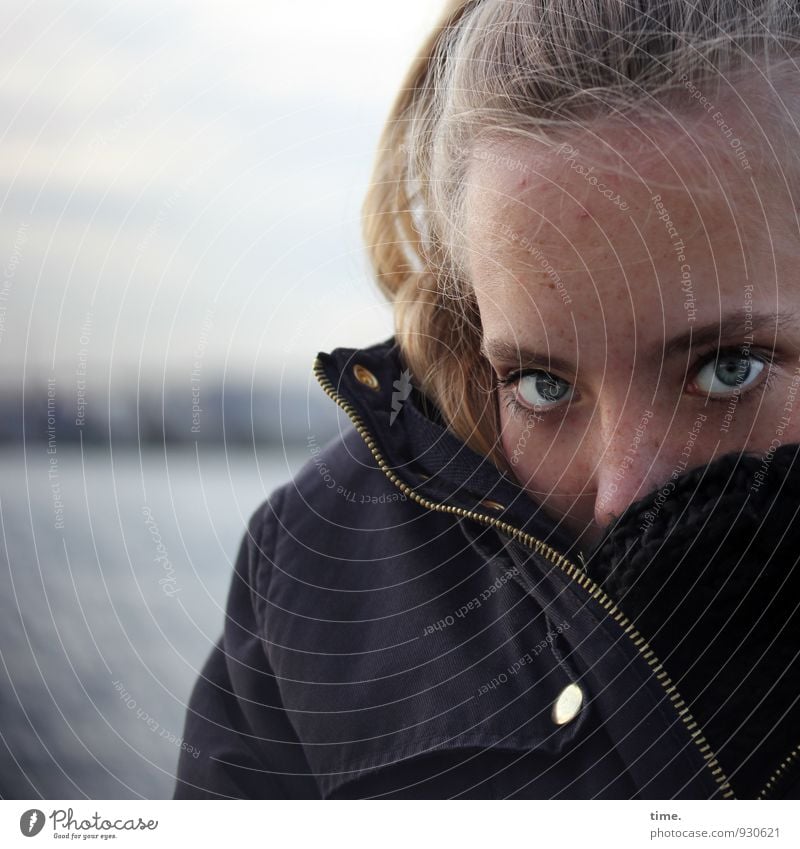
614	300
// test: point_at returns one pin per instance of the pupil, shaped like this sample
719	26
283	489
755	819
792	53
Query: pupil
732	372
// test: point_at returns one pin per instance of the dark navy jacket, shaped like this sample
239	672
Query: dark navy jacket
404	621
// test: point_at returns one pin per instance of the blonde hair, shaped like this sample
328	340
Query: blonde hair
538	68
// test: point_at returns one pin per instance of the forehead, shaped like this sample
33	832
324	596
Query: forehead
614	215
594	175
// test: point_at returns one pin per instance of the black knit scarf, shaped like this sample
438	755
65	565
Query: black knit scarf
707	569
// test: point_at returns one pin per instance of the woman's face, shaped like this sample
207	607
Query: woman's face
637	331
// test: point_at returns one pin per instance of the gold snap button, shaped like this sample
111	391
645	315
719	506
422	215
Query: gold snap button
568	704
365	376
492	505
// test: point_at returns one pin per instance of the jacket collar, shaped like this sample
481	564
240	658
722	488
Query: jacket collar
377	391
711	575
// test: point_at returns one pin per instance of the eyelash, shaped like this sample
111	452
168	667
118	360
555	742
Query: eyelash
516	408
505	383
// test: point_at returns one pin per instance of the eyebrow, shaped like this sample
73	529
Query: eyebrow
508	352
740	323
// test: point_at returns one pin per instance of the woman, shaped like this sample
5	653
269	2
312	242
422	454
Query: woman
555	555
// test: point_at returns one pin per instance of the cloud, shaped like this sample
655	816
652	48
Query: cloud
217	142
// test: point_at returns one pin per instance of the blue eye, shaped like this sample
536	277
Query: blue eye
728	373
540	389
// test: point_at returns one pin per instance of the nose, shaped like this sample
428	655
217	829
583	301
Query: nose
633	461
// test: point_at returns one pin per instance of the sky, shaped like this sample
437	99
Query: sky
182	181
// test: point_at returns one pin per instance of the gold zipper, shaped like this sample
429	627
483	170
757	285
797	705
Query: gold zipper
779	773
562	562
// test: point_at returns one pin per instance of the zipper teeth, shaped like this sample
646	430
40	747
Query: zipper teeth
779	773
571	570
